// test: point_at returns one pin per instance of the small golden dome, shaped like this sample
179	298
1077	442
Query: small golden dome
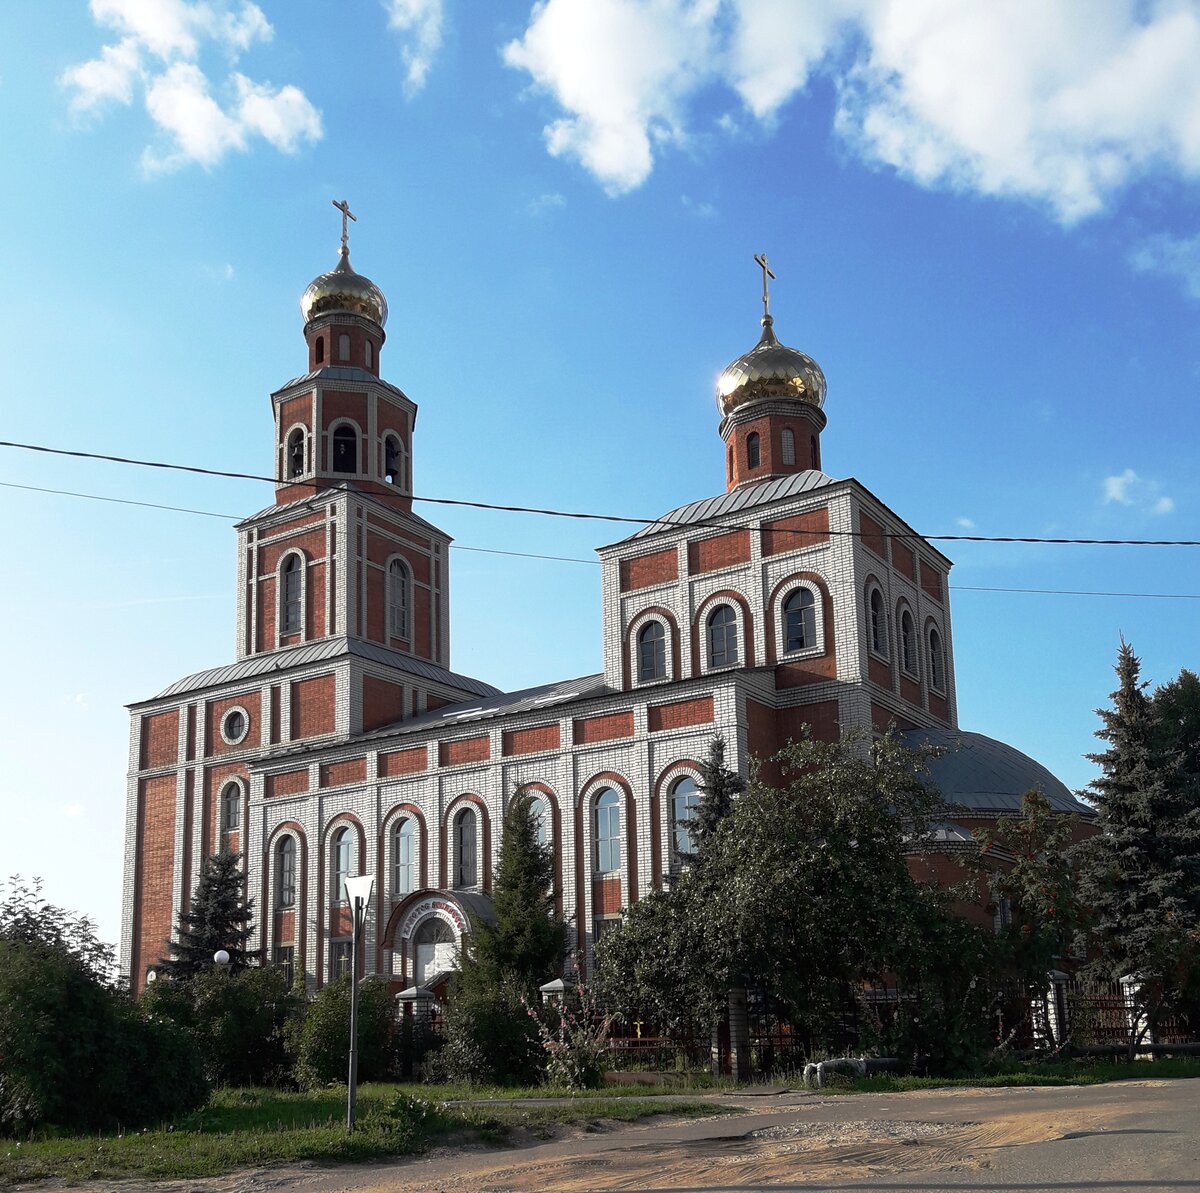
344	291
770	370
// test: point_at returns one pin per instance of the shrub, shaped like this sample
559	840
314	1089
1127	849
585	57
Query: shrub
490	1040
323	1039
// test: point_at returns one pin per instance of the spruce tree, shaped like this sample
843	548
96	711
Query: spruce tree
719	787
1140	874
218	918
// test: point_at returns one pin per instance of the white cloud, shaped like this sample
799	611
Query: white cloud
1135	492
421	21
1175	257
701	210
965	523
159	48
551	201
1061	104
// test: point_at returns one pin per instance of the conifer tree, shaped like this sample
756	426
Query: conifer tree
1141	873
218	918
719	787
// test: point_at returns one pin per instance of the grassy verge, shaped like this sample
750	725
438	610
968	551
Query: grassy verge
244	1128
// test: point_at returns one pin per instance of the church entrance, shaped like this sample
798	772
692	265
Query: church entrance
435	951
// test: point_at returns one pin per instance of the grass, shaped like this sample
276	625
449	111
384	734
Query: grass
242	1128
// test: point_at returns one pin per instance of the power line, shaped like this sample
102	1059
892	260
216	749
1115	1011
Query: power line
178	509
576	514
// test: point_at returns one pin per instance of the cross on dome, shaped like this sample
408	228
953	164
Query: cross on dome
344	207
761	260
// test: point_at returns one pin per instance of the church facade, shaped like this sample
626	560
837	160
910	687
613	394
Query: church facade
340	741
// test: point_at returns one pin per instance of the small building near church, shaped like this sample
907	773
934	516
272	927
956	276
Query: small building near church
340	741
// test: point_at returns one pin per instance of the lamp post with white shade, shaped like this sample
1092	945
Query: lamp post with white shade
358	895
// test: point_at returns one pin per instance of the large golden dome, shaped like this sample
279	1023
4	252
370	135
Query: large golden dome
344	291
768	371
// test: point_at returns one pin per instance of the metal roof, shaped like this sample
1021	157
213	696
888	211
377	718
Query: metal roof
316	652
347	487
986	775
744	497
331	373
547	695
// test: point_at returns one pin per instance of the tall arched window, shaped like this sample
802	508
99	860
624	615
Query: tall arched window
466	870
370	355
652	651
685	799
814	452
398	599
404	856
393	461
878	620
608	832
291	602
722	637
753	449
540	812
339	865
345	449
788	445
295	453
285	872
231	807
908	643
937	661
320	349
343	347
799	621
730	464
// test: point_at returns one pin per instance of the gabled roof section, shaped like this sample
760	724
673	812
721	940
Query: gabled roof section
347	487
332	374
316	652
982	774
742	498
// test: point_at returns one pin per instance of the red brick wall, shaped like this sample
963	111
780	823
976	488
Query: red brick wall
872	534
160	739
649	569
532	740
939	706
790	534
214	743
289	782
404	762
760	730
335	774
382	703
910	690
680	714
606	728
903	560
723	550
313	706
467	749
156	863
822	719
606	896
931	581
882	717
879	672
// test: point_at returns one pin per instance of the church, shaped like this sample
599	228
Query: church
341	742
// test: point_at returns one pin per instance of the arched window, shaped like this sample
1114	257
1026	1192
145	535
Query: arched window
285	872
730	464
320	349
404	856
339	865
799	621
393	461
753	445
465	867
608	832
685	799
343	347
908	643
370	355
814	452
540	813
788	446
878	620
291	602
397	599
652	651
722	637
345	449
434	950
937	662
295	453
231	807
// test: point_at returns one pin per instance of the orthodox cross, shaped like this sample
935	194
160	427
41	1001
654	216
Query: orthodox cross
761	260
344	208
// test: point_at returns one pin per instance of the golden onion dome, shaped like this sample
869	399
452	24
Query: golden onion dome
770	370
345	292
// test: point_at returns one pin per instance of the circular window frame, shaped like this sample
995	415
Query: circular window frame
231	739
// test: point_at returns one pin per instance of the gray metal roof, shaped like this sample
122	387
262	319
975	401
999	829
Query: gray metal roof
745	497
323	493
547	695
986	775
316	652
332	373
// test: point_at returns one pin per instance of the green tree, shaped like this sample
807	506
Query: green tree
25	916
323	1036
1140	874
719	787
219	917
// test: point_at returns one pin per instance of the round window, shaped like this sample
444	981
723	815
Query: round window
235	726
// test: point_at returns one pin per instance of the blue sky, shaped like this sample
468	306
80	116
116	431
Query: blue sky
983	220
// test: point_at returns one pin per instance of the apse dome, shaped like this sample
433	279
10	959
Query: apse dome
344	292
770	371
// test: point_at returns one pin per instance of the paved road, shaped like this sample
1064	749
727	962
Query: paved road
1099	1139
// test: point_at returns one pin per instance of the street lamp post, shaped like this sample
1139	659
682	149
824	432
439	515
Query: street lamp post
358	895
